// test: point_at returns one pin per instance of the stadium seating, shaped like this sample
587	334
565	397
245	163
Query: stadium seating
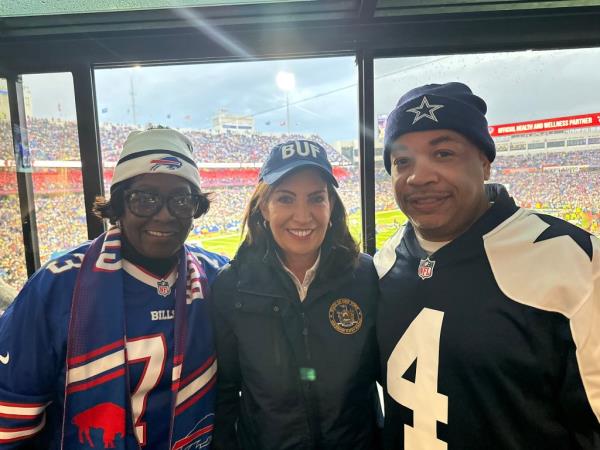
564	183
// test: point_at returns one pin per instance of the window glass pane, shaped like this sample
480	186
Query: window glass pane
12	253
233	121
43	8
543	112
54	146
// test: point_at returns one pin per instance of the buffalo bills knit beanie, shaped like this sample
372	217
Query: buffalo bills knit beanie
156	150
449	106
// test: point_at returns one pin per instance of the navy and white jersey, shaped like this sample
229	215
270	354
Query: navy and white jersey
493	341
33	352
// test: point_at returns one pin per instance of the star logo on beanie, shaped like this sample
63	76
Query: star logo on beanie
424	110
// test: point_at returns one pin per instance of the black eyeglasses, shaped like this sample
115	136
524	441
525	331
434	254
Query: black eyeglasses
146	204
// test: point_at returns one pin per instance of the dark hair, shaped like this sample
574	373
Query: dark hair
114	208
257	235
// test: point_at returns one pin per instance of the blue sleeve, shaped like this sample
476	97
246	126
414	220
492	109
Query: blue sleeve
32	353
212	262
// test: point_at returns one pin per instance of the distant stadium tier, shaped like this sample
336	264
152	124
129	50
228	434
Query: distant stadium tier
51	180
211	178
229	144
536	126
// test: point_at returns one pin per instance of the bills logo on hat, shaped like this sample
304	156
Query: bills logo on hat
170	162
424	106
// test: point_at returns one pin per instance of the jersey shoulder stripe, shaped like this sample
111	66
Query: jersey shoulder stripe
71	259
543	268
385	258
214	260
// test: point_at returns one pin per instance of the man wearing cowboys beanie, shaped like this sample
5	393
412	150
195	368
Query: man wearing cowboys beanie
489	319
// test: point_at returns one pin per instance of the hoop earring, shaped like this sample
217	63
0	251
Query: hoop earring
330	224
265	224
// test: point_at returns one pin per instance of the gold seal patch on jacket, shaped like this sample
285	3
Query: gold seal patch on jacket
345	316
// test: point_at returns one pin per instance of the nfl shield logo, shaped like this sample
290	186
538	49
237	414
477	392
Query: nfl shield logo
426	268
163	288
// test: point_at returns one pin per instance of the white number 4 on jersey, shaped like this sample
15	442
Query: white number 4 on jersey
421	342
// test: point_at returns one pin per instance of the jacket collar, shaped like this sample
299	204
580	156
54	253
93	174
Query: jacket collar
261	273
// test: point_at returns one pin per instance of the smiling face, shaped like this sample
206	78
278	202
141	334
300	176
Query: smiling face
298	211
161	235
438	178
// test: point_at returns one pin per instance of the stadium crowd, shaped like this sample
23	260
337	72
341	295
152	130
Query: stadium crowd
61	217
12	252
6	149
56	139
505	162
533	179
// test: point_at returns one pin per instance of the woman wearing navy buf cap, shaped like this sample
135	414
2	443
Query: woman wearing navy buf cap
294	317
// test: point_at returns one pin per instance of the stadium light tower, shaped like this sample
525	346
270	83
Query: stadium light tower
132	92
286	81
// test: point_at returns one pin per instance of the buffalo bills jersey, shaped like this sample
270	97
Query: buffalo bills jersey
492	341
33	341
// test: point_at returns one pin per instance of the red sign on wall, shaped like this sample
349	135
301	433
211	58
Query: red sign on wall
536	126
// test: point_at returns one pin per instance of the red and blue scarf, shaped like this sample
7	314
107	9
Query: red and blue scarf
97	387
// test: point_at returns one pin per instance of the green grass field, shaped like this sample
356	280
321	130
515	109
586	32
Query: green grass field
387	222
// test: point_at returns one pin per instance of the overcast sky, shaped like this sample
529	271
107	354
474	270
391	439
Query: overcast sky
517	86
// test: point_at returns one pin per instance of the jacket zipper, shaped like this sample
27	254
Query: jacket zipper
305	336
307	392
275	335
308	389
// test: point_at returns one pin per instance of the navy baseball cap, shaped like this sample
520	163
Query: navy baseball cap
292	155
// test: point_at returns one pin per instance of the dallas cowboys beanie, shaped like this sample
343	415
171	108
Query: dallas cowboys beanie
449	106
157	150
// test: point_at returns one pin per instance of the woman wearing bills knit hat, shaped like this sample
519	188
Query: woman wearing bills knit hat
110	345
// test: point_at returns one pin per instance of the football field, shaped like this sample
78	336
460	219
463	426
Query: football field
387	222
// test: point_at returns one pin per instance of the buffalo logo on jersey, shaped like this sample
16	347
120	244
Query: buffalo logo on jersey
170	162
345	316
163	288
107	417
425	269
